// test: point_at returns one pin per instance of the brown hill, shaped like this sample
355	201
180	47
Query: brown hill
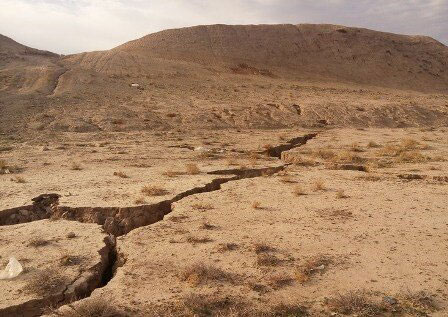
319	52
219	76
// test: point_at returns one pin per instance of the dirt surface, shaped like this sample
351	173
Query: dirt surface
297	238
62	261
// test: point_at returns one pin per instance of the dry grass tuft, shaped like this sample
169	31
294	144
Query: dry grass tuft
411	157
198	240
3	165
279	281
46	283
311	267
202	206
263	248
19	179
92	308
140	201
355	147
208	226
200	273
284	310
225	247
208	306
76	167
152	190
267	260
38	242
405	152
288	179
171	173
256	205
340	194
319	185
299	191
121	174
421	300
70	260
373	144
356	303
192	169
324	154
300	161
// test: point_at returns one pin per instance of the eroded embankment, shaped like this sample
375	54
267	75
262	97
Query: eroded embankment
118	221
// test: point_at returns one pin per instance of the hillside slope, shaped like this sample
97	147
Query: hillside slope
319	52
219	76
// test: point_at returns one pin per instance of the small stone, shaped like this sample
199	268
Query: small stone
390	300
71	235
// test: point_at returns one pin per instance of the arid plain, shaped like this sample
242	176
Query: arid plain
304	174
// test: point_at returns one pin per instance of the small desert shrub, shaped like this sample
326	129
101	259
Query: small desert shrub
284	310
299	191
121	174
256	205
202	206
409	144
200	273
140	201
152	190
267	260
207	226
411	157
300	161
207	306
197	240
319	185
280	280
36	243
171	173
373	144
70	260
76	166
46	283
340	194
267	147
177	218
19	179
370	178
263	248
357	303
288	179
355	147
420	300
312	266
231	161
192	169
224	247
324	154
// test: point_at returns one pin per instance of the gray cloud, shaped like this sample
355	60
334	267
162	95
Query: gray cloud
70	26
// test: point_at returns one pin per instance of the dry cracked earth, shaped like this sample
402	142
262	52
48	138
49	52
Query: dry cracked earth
296	222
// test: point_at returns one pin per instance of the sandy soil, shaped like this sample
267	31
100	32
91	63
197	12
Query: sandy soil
318	236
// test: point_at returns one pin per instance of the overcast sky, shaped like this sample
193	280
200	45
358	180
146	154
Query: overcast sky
72	26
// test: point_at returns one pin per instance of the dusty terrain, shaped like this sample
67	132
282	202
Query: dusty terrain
297	237
249	171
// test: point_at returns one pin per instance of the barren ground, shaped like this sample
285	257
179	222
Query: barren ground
353	222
